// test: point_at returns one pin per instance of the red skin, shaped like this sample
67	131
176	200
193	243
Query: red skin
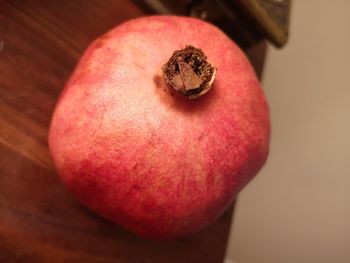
148	159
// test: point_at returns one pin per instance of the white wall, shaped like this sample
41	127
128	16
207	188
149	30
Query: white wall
298	208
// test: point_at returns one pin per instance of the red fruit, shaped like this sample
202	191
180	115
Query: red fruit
149	159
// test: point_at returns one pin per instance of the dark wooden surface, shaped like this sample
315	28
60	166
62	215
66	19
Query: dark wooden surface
40	42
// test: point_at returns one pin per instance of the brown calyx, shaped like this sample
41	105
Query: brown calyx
189	72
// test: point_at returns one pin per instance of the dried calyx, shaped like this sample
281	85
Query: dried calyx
189	72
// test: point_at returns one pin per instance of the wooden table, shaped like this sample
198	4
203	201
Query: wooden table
40	42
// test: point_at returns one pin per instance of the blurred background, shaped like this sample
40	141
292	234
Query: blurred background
298	208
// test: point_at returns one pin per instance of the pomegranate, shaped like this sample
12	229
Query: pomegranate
160	126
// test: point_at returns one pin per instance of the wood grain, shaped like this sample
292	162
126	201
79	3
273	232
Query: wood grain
40	43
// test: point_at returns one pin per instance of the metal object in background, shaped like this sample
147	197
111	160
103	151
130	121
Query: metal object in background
245	21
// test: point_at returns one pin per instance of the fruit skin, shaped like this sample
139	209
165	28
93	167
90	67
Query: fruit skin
147	158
